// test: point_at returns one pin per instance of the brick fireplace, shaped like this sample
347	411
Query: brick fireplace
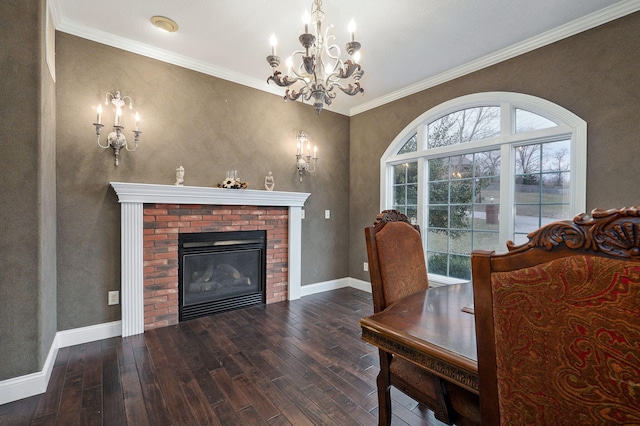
164	222
152	216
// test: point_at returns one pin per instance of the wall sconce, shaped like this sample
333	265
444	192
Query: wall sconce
116	139
302	164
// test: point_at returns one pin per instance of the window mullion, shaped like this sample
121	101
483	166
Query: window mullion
507	194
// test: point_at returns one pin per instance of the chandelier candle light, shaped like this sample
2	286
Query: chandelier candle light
321	69
116	139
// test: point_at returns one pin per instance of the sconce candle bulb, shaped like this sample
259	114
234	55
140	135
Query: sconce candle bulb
302	164
116	139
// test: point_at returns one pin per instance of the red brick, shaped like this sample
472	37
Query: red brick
201	223
170	279
154	237
167	218
154	212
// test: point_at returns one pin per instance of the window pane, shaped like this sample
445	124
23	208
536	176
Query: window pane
399	174
412	194
438	263
439	193
488	163
399	195
555	187
464	126
556	156
460	218
487	241
439	217
527	121
527	159
554	212
461	191
410	146
437	240
460	267
405	189
412	214
461	166
438	169
412	172
527	218
527	192
462	243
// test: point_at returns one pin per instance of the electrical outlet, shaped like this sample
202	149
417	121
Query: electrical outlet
114	297
366	266
327	214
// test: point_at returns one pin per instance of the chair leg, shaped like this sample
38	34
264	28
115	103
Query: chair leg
384	390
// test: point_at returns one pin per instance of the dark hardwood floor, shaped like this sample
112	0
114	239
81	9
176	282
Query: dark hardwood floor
290	363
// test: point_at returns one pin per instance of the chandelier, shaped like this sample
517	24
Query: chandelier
321	69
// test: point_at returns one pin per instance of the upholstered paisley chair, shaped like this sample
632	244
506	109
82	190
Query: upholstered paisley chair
397	269
558	324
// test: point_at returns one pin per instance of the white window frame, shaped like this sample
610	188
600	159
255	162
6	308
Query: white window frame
570	126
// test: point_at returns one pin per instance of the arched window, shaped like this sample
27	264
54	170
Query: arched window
482	169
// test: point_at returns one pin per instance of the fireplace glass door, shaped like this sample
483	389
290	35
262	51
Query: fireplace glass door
219	271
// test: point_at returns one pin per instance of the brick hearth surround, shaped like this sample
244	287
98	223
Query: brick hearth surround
163	223
190	208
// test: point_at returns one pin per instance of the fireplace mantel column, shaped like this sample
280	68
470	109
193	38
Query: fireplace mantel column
132	197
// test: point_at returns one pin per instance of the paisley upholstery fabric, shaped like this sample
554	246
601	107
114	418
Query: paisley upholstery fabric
408	276
575	323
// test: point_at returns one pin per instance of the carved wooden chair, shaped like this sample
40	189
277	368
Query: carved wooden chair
558	324
397	269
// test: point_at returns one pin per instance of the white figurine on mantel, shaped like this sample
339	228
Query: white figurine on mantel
269	183
179	176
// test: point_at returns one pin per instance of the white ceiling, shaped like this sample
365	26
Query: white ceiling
407	45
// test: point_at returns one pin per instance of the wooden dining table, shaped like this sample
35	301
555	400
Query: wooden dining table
435	329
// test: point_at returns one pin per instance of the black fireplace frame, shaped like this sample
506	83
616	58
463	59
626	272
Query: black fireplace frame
219	242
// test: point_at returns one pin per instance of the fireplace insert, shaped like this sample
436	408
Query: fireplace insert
220	271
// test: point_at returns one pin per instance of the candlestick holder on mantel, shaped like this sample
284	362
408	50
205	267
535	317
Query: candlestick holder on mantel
116	139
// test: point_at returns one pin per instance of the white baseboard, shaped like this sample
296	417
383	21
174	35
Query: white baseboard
36	383
78	336
310	289
360	285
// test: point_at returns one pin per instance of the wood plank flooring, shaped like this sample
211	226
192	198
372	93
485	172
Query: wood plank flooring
289	363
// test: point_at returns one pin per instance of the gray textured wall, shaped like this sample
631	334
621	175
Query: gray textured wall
593	74
205	124
27	191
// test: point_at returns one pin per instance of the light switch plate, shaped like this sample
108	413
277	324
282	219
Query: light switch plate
114	297
327	214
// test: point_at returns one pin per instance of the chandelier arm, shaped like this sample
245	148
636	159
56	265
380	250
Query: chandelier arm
348	68
351	89
292	95
102	146
282	81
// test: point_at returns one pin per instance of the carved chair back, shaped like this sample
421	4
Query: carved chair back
558	324
397	266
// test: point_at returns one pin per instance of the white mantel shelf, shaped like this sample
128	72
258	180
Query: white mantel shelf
172	194
132	197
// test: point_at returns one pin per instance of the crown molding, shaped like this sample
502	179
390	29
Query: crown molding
618	10
593	20
163	55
